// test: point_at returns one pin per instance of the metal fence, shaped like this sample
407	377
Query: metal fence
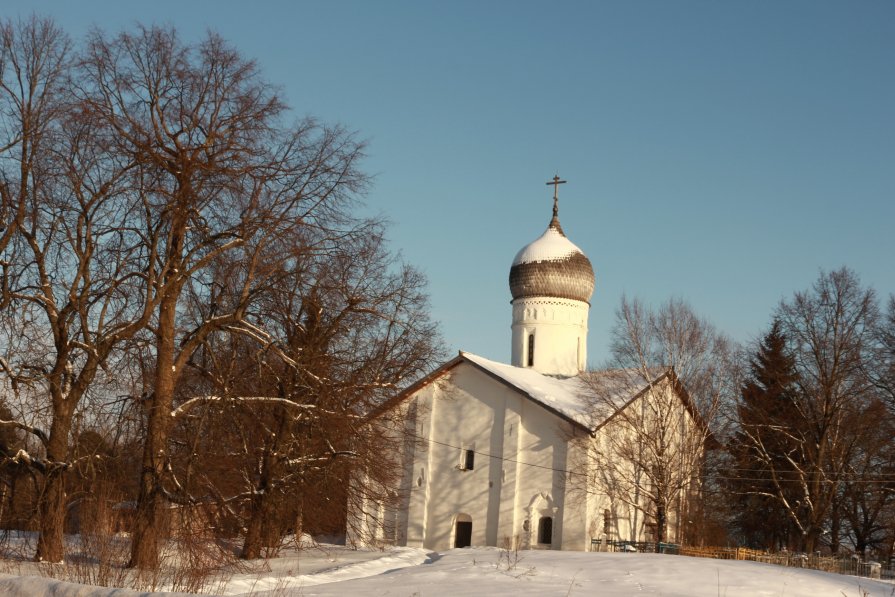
632	546
854	565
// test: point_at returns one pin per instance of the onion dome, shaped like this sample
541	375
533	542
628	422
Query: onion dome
552	266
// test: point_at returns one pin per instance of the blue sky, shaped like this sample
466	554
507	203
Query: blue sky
723	152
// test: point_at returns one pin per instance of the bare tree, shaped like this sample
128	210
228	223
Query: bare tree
830	329
665	386
347	326
868	488
33	64
70	263
219	177
882	368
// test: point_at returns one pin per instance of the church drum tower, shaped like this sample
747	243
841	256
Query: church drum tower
551	281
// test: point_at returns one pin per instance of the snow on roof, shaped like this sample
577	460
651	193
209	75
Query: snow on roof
588	399
550	246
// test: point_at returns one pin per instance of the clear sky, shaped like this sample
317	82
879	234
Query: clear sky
723	152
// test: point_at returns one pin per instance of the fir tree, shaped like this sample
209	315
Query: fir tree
768	415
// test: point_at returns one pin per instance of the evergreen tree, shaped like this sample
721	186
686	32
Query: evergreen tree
767	416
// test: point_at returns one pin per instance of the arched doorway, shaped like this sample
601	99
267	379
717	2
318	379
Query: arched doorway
545	530
462	530
538	530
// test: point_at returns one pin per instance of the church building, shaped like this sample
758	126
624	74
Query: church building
501	454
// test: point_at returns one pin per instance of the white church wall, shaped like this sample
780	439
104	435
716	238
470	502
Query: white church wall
418	465
541	478
462	423
576	535
615	491
509	522
371	521
591	490
467	409
414	472
523	457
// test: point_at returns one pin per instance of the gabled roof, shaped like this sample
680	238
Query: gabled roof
570	398
564	396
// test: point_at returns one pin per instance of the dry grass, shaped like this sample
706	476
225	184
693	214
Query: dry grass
192	561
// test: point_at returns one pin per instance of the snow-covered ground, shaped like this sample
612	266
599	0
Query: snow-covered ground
486	571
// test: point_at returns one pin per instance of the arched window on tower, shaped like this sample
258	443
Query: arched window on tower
531	350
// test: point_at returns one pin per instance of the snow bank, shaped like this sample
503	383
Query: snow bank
468	572
38	586
484	571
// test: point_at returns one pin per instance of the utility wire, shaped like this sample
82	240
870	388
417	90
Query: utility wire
879	478
501	458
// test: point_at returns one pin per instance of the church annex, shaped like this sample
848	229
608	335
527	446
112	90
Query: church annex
499	453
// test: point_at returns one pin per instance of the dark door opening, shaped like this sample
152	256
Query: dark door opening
463	534
545	530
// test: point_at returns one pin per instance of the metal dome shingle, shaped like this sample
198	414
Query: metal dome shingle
552	266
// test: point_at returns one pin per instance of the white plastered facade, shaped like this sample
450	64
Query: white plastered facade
520	454
529	465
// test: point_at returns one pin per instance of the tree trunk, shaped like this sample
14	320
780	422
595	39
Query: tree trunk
861	546
259	519
148	520
810	540
50	546
146	530
264	529
4	524
299	519
661	522
260	530
251	547
835	528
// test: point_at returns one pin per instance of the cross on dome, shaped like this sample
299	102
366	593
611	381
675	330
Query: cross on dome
551	265
556	182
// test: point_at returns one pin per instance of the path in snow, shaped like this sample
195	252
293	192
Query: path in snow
360	564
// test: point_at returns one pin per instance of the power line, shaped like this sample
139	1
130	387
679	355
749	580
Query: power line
501	458
879	478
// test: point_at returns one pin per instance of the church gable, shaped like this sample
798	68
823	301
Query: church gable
561	397
587	401
465	382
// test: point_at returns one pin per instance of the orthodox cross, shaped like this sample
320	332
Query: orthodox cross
556	182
